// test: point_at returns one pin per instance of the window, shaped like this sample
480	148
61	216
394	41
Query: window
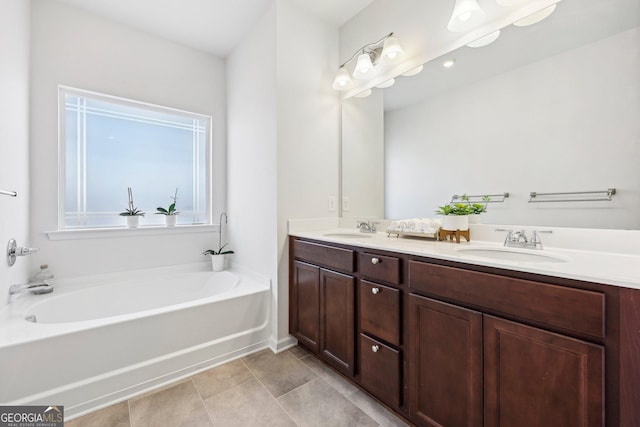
108	144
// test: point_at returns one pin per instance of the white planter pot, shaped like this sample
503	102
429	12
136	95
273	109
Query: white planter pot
455	222
475	219
170	220
217	262
133	221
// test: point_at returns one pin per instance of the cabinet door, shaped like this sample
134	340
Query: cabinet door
380	370
337	320
445	365
537	378
305	305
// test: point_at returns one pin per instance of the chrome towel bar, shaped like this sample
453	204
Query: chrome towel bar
494	198
573	196
9	193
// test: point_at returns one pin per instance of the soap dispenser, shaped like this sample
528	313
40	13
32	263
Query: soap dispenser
44	275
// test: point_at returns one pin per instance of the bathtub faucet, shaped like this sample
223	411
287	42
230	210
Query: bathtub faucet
32	288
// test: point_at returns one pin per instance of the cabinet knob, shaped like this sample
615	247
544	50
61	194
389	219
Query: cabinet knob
375	348
375	260
375	291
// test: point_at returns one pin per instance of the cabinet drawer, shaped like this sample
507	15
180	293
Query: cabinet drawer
569	309
326	256
380	311
380	268
380	370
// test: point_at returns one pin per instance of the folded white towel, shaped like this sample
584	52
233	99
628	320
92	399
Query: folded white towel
415	225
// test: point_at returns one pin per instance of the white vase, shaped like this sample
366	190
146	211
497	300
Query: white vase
455	222
170	220
217	262
133	221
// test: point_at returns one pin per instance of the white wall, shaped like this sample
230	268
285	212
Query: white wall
283	124
308	129
74	48
567	123
363	156
14	136
252	149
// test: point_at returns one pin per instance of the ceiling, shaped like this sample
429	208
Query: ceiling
213	26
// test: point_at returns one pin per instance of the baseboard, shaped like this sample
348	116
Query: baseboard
282	344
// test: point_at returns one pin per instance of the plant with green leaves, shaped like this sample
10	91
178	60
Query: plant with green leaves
131	209
218	252
477	208
455	209
172	207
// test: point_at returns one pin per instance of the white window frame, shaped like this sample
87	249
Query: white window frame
67	90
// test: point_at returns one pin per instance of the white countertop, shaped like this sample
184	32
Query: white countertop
610	268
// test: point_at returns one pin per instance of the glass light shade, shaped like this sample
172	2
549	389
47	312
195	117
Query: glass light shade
391	50
386	84
535	17
509	2
364	67
483	41
466	14
413	71
363	94
342	80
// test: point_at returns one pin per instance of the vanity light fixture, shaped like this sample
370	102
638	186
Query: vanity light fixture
386	84
509	2
363	94
535	17
486	40
385	51
466	15
414	71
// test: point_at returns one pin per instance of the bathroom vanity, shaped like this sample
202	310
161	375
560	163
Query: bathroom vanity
456	342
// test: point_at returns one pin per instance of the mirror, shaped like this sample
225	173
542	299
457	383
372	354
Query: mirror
548	108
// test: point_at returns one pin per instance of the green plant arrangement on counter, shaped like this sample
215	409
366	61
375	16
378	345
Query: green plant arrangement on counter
455	209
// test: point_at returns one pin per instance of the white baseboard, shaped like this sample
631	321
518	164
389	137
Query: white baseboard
282	344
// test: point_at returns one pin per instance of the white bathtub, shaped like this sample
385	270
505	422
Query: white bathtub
100	340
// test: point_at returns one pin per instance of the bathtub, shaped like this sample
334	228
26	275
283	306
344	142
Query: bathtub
99	340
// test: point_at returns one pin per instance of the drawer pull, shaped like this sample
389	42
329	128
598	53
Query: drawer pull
375	261
375	348
375	291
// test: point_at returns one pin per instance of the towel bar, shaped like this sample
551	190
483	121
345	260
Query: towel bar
572	196
9	193
478	199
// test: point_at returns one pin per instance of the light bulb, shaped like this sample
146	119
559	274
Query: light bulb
364	66
391	50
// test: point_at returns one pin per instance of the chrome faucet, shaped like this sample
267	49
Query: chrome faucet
32	288
367	226
518	239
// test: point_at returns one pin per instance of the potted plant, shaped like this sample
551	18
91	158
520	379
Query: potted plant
476	208
455	217
217	257
171	212
132	213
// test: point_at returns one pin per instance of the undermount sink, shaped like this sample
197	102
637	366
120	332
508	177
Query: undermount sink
508	254
348	235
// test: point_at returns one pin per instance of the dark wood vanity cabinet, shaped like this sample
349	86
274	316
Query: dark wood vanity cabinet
451	344
322	303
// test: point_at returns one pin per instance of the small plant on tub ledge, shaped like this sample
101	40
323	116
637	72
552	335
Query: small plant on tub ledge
132	213
217	257
171	212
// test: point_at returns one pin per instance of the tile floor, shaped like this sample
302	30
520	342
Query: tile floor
291	388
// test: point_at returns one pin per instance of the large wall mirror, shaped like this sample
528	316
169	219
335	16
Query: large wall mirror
553	107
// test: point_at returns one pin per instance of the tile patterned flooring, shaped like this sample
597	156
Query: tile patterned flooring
291	388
